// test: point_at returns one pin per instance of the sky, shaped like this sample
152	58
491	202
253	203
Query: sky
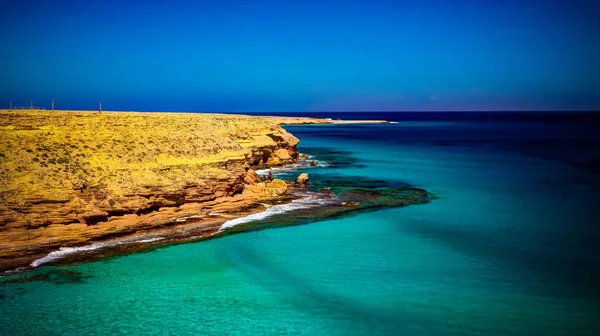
277	56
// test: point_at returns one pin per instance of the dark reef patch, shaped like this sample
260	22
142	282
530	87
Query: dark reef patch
346	202
334	158
58	276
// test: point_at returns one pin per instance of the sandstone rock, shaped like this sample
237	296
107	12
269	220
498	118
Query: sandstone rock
251	177
137	182
258	189
302	178
279	157
273	161
313	163
79	185
276	188
282	154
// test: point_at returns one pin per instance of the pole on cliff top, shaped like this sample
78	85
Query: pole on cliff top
11	104
31	103
100	106
52	104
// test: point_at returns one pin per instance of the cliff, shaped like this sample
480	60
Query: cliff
69	177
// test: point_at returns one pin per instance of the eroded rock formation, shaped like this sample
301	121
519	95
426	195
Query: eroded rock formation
67	178
302	179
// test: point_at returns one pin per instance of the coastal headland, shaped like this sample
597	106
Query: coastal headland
74	178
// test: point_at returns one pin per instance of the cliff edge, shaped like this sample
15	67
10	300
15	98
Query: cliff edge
69	177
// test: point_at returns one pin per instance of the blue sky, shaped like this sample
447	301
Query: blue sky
243	56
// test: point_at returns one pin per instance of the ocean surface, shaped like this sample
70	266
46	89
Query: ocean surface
510	247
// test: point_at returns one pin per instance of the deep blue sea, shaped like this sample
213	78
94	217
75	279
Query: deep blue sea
510	247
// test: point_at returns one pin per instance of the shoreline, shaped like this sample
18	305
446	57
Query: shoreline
184	230
285	120
311	207
122	197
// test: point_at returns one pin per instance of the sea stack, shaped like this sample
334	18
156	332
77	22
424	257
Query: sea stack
302	179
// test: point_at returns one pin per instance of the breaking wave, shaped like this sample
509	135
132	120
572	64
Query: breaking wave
303	203
67	251
292	167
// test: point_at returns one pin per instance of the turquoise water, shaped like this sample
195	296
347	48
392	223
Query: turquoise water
509	248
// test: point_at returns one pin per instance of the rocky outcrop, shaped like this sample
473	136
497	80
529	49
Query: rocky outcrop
279	156
70	178
268	189
302	179
276	188
251	177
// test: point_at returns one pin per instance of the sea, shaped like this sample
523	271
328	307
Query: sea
510	245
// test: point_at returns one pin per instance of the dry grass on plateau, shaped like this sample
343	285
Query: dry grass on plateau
49	154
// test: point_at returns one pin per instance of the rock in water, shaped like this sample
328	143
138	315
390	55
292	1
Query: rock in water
302	178
276	188
271	174
313	163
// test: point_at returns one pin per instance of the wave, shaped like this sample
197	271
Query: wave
286	169
303	203
291	167
67	251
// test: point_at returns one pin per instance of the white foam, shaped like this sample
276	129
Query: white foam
149	240
290	168
393	122
264	172
66	251
303	203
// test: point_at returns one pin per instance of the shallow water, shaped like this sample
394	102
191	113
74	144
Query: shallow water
509	248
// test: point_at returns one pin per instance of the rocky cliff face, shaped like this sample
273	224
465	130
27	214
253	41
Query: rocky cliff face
67	178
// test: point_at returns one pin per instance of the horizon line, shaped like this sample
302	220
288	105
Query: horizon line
324	111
